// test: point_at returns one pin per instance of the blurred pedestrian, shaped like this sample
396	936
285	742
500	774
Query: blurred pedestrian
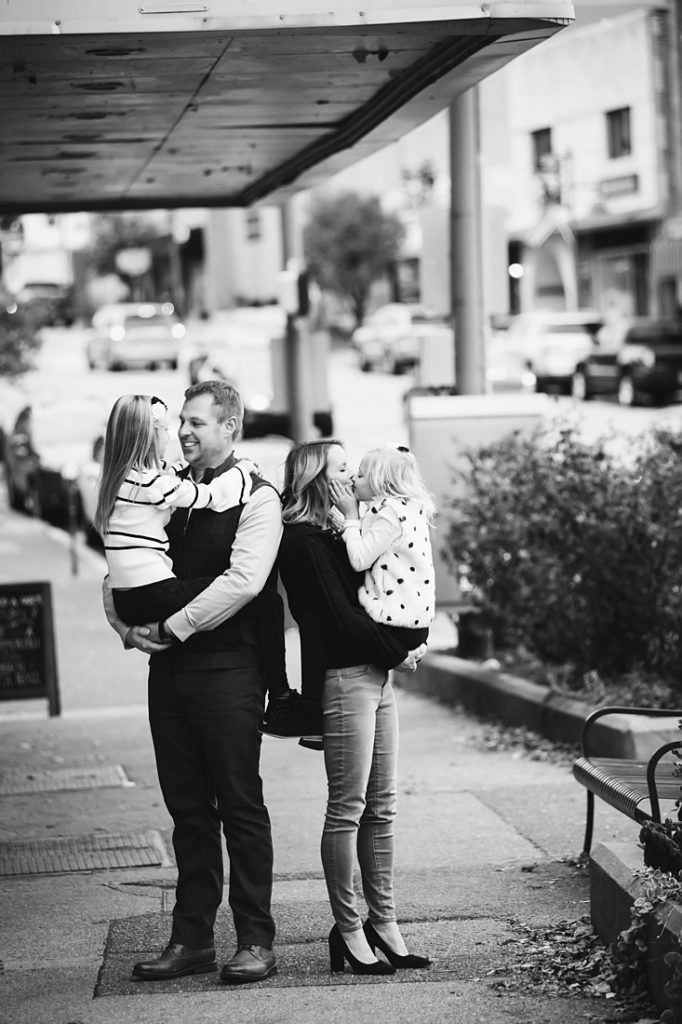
346	658
206	697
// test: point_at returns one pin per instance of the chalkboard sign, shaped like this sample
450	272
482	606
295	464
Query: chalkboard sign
28	665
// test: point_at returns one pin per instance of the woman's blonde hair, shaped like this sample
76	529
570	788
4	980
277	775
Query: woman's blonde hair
306	489
394	472
130	442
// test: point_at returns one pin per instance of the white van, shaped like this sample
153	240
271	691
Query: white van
247	348
554	343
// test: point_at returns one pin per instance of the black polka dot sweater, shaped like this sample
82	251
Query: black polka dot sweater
392	544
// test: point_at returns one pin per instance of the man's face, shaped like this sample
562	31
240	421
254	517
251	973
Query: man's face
206	442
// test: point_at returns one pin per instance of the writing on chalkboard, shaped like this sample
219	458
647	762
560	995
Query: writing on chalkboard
27	653
20	640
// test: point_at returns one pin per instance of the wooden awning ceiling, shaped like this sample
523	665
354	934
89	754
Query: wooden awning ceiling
169	105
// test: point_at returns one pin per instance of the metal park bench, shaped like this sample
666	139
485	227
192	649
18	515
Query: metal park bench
626	783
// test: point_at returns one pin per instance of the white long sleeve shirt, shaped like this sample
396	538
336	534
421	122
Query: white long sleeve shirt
391	544
135	544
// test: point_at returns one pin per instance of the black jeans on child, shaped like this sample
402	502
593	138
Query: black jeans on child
157	601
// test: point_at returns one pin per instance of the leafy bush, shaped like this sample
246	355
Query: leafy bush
575	549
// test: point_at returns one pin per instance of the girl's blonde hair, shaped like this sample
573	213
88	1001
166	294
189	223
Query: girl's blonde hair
130	442
394	472
306	488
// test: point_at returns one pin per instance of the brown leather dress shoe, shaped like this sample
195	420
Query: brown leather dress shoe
250	963
176	961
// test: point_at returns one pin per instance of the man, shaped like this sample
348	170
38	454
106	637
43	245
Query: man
206	698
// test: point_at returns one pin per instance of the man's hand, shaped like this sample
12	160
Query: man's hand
146	639
343	497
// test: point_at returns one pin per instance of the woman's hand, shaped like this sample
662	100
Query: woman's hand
412	660
343	497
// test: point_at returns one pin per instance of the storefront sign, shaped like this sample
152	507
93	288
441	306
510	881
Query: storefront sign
624	186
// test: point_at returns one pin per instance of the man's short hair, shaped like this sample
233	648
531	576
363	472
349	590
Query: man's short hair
225	396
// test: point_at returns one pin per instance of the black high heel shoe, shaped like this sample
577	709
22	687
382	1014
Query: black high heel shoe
339	951
375	940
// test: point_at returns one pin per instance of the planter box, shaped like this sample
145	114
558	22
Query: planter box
516	701
613	890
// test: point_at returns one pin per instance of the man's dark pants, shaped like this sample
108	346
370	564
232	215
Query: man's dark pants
205	728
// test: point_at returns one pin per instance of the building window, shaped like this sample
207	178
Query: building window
618	132
253	225
542	147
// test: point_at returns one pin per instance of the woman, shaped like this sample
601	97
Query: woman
346	658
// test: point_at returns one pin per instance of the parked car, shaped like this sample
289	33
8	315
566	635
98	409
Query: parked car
13	398
43	451
636	360
390	339
507	366
127	335
554	343
48	303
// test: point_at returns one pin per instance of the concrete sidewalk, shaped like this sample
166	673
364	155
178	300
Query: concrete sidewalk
86	868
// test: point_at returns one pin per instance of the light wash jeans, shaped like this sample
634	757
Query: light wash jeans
360	754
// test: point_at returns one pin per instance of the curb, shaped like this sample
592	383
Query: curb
516	701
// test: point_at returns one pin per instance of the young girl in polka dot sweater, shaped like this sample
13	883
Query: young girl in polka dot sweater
391	543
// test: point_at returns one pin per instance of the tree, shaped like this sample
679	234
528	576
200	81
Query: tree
349	243
115	232
19	339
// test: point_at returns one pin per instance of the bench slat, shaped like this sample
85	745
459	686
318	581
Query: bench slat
625	798
623	783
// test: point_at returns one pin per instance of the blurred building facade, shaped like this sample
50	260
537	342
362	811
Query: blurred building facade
580	157
586	178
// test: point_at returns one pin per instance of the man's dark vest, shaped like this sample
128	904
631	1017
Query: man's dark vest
201	545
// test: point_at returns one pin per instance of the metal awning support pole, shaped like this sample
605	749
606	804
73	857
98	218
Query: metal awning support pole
466	248
297	342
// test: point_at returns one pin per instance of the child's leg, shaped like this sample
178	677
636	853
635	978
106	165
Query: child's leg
268	611
284	715
157	601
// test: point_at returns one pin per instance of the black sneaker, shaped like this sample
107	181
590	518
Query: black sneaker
284	716
312	732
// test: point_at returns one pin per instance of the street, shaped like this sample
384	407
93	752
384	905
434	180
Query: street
367	407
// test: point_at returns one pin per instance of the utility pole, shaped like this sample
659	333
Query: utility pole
466	248
297	344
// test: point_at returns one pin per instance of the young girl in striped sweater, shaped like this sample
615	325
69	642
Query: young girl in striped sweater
138	491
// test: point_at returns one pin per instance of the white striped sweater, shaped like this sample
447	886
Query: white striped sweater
136	544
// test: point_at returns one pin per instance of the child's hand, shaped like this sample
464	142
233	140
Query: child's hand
250	467
343	497
336	520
